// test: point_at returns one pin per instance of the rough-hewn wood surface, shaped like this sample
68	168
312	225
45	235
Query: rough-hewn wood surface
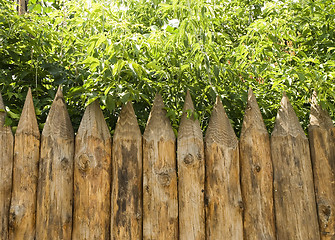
127	177
160	202
92	177
6	168
322	143
55	182
256	175
22	216
295	207
223	193
191	175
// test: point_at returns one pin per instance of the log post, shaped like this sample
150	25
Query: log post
127	177
22	217
6	169
256	175
294	198
222	184
191	175
92	176
55	182
22	6
322	144
160	202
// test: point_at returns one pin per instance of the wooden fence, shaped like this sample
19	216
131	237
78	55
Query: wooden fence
59	185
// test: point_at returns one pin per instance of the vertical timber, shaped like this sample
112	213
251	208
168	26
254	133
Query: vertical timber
6	169
25	174
160	202
256	175
191	175
295	207
55	182
322	143
222	186
92	176
127	177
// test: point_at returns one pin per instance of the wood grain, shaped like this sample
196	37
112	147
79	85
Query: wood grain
160	201
322	144
295	207
55	182
6	169
191	175
256	175
222	186
25	174
92	177
127	177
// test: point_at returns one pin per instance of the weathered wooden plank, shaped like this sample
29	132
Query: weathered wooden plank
55	182
295	207
256	175
191	175
6	169
92	176
160	203
127	177
22	216
222	185
322	144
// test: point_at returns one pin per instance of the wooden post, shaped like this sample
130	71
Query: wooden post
191	175
322	143
22	217
92	176
222	185
294	198
256	175
6	169
160	203
22	7
55	182
127	177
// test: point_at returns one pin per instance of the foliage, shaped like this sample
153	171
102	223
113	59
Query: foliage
130	49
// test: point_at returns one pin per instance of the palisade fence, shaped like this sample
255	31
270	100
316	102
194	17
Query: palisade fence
90	186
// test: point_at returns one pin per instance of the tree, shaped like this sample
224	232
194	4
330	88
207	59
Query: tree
128	50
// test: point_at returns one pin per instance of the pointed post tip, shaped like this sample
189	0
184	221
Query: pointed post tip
253	118
158	123
127	125
28	122
319	117
287	122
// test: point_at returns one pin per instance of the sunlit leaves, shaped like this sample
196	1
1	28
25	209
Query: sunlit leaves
117	51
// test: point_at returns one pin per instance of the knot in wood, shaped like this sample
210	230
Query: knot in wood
65	163
164	179
325	214
84	162
189	159
240	205
138	215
